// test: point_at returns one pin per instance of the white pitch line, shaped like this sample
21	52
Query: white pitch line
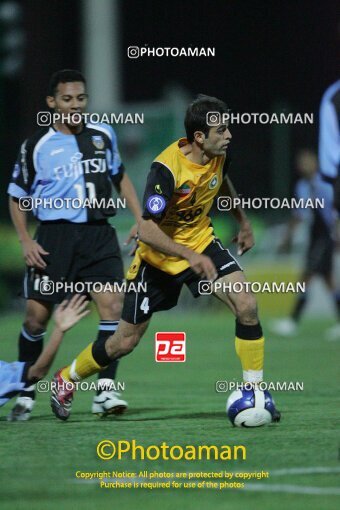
291	489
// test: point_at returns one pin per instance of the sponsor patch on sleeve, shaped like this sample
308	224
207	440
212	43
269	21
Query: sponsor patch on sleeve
155	204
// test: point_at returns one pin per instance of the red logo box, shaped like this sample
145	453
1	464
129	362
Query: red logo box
170	347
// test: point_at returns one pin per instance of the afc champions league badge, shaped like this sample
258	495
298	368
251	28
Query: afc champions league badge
98	141
155	204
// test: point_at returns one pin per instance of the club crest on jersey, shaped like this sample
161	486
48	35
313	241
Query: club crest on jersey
183	190
98	141
155	204
213	182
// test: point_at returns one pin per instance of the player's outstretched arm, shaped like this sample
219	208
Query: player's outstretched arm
127	191
66	315
150	233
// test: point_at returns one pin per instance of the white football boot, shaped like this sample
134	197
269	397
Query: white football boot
333	333
22	409
108	401
284	327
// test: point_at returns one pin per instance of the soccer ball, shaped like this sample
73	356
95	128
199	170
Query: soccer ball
250	408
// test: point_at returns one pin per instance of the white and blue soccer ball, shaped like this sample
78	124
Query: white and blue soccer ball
250	408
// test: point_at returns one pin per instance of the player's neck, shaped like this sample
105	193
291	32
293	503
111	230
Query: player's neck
195	154
66	129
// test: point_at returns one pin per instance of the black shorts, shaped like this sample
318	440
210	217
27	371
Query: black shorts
163	290
78	252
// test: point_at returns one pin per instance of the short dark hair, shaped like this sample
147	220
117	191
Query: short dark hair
196	114
64	76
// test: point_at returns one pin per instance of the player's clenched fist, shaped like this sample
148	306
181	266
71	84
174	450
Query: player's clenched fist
203	266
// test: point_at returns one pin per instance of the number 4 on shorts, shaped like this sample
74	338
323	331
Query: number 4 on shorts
145	305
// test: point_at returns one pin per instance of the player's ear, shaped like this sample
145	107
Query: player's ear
50	101
199	137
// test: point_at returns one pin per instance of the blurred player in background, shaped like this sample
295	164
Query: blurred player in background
69	160
322	232
329	138
178	246
329	152
18	375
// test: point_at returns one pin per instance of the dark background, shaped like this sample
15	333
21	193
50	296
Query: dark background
267	53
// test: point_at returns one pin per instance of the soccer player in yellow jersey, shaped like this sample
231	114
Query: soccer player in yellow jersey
178	246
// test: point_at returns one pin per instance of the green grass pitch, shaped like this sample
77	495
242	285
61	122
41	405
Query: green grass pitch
177	403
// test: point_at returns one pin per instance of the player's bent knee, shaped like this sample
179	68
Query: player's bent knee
246	309
116	308
33	326
112	310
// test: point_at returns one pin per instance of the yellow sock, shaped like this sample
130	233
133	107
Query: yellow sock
251	354
83	366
